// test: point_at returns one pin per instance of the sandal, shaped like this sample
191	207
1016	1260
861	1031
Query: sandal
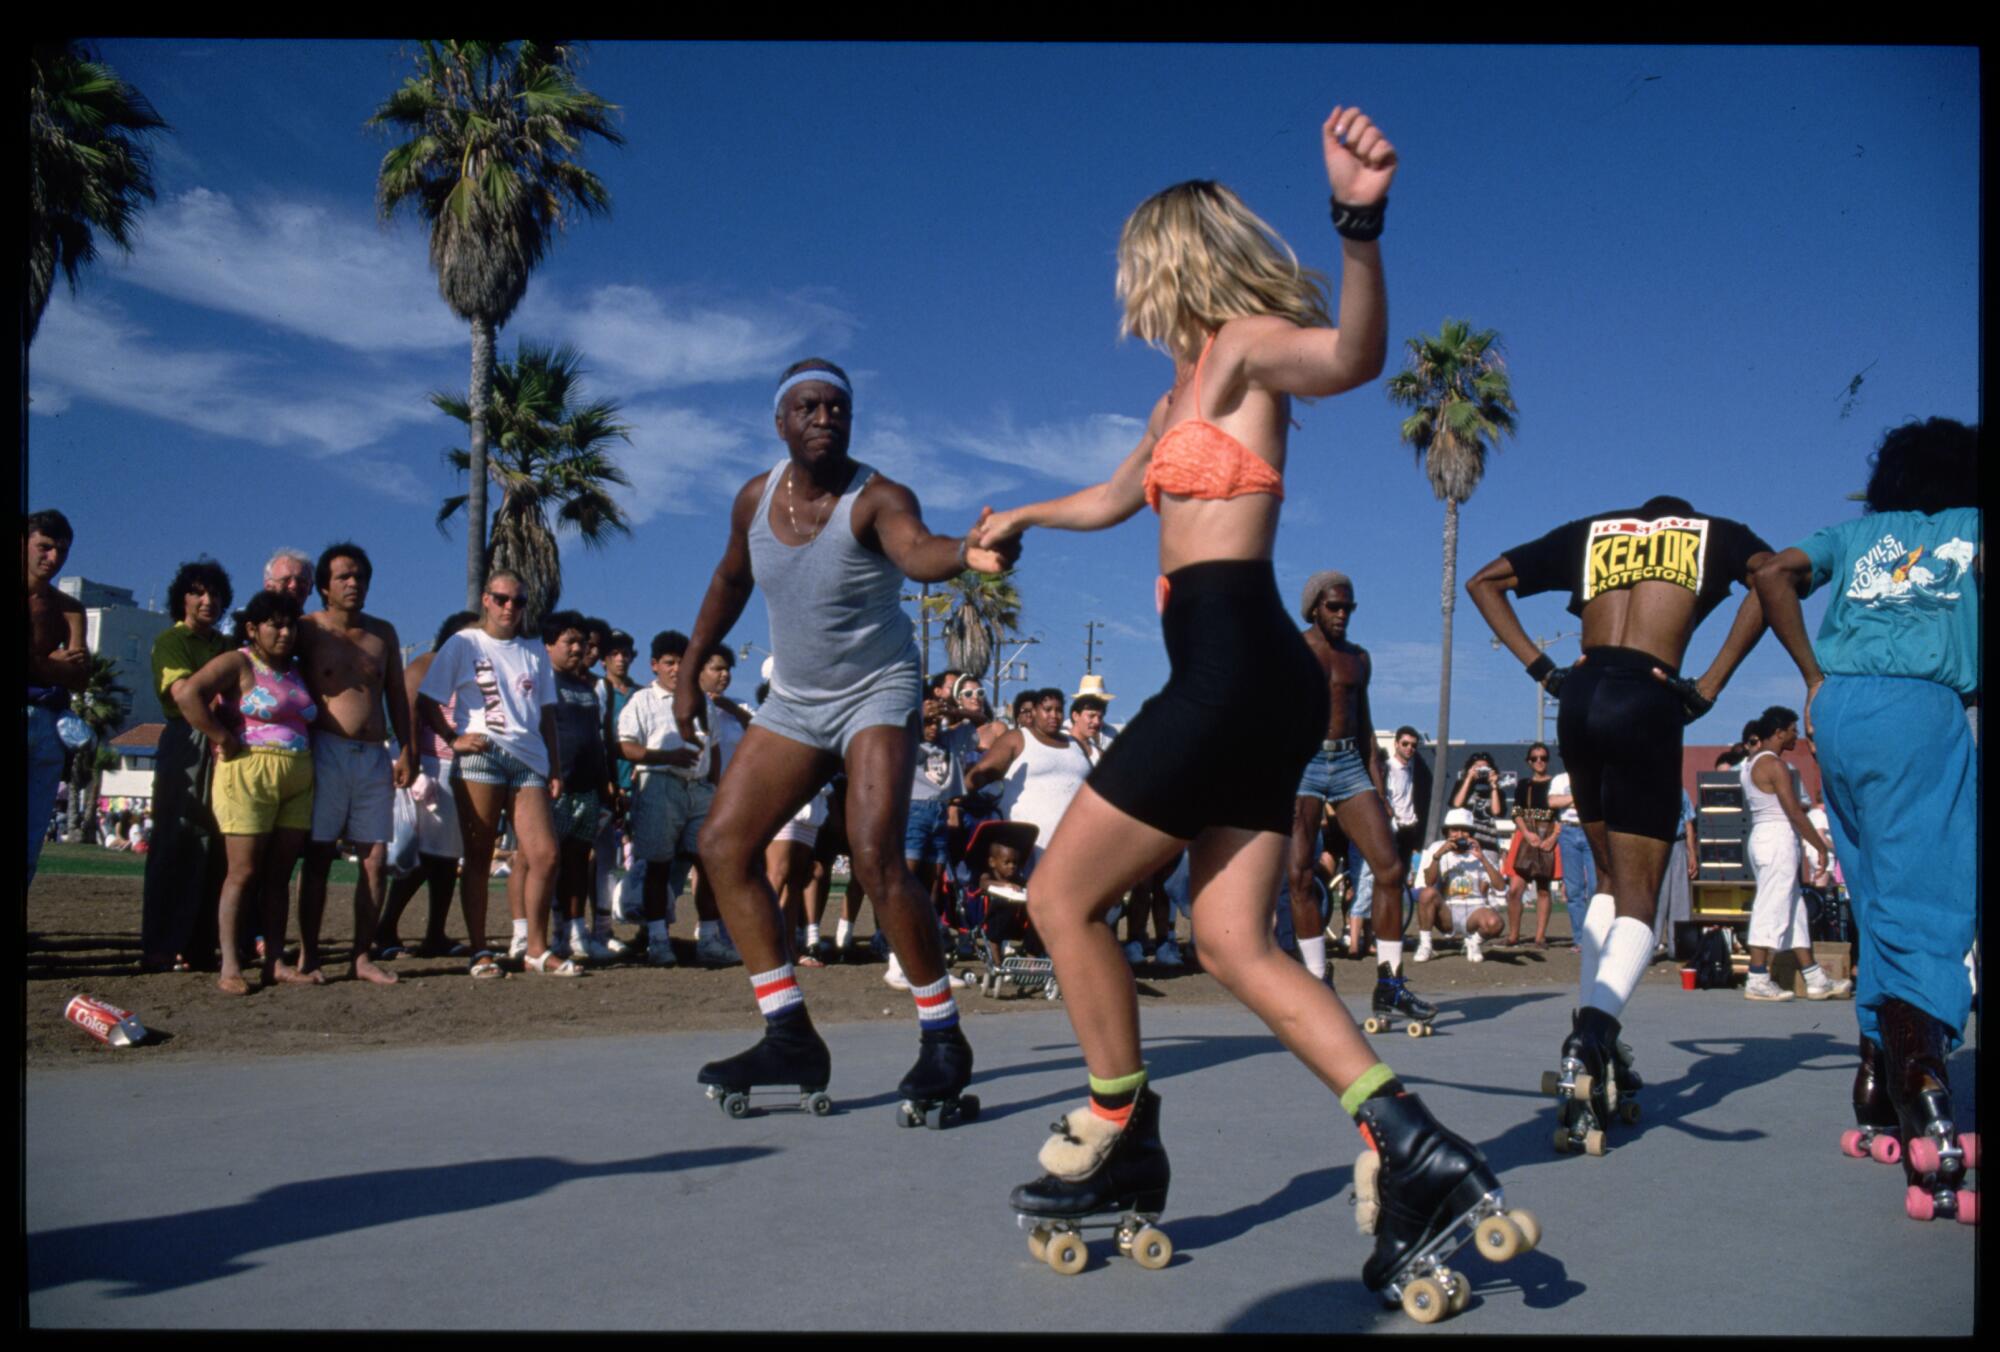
551	964
485	967
390	952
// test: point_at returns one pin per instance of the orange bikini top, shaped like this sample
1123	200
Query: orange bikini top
1197	459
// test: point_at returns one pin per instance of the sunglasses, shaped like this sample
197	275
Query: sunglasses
1538	760
1344	606
506	598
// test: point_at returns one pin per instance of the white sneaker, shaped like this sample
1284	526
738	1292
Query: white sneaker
1826	989
660	954
1475	948
894	978
1168	954
1761	987
619	949
957	982
1424	953
716	951
518	948
1135	953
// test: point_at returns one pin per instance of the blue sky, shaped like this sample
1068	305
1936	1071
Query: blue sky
1689	254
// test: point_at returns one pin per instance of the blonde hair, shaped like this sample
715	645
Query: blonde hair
1193	257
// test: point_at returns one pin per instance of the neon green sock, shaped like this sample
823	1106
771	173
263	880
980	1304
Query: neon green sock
1364	1088
1124	1084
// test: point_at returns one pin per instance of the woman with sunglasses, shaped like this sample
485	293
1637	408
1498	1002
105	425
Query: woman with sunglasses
502	732
1532	856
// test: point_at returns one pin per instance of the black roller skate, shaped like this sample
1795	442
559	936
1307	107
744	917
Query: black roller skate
1936	1157
1594	1083
933	1090
1394	999
791	1053
1425	1193
1876	1134
1100	1177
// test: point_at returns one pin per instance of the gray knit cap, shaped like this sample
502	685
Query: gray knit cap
1318	584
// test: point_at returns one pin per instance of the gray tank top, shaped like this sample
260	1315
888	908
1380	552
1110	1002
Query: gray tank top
837	619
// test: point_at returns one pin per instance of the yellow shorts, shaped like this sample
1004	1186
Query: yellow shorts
263	791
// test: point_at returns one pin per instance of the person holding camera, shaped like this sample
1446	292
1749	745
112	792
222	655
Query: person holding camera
1478	792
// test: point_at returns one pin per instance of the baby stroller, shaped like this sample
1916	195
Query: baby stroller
997	915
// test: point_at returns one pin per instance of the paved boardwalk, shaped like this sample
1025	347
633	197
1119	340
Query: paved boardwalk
587	1184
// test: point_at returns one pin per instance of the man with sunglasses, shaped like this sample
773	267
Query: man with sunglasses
1348	775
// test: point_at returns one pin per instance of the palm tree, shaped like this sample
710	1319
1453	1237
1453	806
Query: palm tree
977	610
1456	386
491	166
102	704
88	172
550	456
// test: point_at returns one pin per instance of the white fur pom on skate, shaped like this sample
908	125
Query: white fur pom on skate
1367	1200
1081	1141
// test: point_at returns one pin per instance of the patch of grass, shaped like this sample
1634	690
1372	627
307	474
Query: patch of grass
96	861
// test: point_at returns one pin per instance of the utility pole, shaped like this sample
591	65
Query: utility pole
1011	668
1090	628
1541	695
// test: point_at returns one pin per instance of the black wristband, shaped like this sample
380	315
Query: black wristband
1539	669
1360	224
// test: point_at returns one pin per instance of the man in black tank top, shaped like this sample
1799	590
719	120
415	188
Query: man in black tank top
1641	579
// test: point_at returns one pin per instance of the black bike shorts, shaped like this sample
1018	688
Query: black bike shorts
1620	730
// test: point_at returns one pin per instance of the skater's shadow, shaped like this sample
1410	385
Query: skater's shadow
1346	1306
165	1253
1456	1010
1191	1234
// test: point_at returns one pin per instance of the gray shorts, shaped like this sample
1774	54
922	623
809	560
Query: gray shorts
667	816
891	699
354	790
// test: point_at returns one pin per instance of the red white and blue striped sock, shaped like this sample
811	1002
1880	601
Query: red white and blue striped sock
935	1006
778	994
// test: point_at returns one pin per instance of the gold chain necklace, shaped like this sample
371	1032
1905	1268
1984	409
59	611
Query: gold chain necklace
792	510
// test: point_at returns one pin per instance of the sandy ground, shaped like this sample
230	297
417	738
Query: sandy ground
83	938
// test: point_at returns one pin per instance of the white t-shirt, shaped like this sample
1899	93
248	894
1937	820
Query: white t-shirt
648	719
1559	787
1461	874
502	686
1399	778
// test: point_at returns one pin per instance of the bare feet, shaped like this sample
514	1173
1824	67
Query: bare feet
232	983
292	976
366	970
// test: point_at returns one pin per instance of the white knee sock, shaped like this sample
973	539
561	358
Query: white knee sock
1627	951
1391	952
843	931
1314	953
521	929
812	935
1590	937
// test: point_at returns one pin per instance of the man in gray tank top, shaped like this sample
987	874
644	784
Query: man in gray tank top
831	543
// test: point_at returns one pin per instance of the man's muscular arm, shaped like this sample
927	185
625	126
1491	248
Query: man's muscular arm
888	513
728	592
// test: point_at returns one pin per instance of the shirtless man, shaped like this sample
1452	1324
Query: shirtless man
351	662
1641	579
832	542
58	663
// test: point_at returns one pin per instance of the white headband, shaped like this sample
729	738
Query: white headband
819	373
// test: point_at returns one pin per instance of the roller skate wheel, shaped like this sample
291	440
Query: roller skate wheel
1885	1150
968	1108
1530	1228
1415	1029
1585	1084
1038	1243
1151	1249
1374	1025
907	1115
1551	1083
1561	1141
1968	1207
1425	1301
736	1105
1923	1154
1969	1143
1593	1141
1918	1205
1461	1292
1628	1111
819	1105
1499	1238
1066	1254
1850	1145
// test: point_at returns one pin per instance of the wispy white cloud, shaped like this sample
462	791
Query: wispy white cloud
1082	451
949	488
683	462
1405	670
336	276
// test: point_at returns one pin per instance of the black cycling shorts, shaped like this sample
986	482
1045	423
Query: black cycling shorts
1245	708
1620	730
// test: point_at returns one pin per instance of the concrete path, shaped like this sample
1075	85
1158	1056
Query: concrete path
589	1185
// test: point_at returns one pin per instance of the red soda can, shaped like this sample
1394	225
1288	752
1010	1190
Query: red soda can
105	1022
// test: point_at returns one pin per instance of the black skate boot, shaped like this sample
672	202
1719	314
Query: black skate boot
933	1090
1876	1134
1393	999
1424	1193
1588	1086
1096	1170
1936	1157
791	1053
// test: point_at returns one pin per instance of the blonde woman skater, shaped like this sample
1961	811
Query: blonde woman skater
1208	282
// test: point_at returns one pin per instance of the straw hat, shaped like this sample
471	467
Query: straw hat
1093	685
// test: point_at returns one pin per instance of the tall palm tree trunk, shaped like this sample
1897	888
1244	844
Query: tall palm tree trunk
1449	602
475	501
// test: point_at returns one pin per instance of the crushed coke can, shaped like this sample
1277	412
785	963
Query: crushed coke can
105	1022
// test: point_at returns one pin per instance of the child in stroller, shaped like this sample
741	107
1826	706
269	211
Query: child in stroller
993	905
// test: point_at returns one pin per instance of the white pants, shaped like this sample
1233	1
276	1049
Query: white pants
1778	915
